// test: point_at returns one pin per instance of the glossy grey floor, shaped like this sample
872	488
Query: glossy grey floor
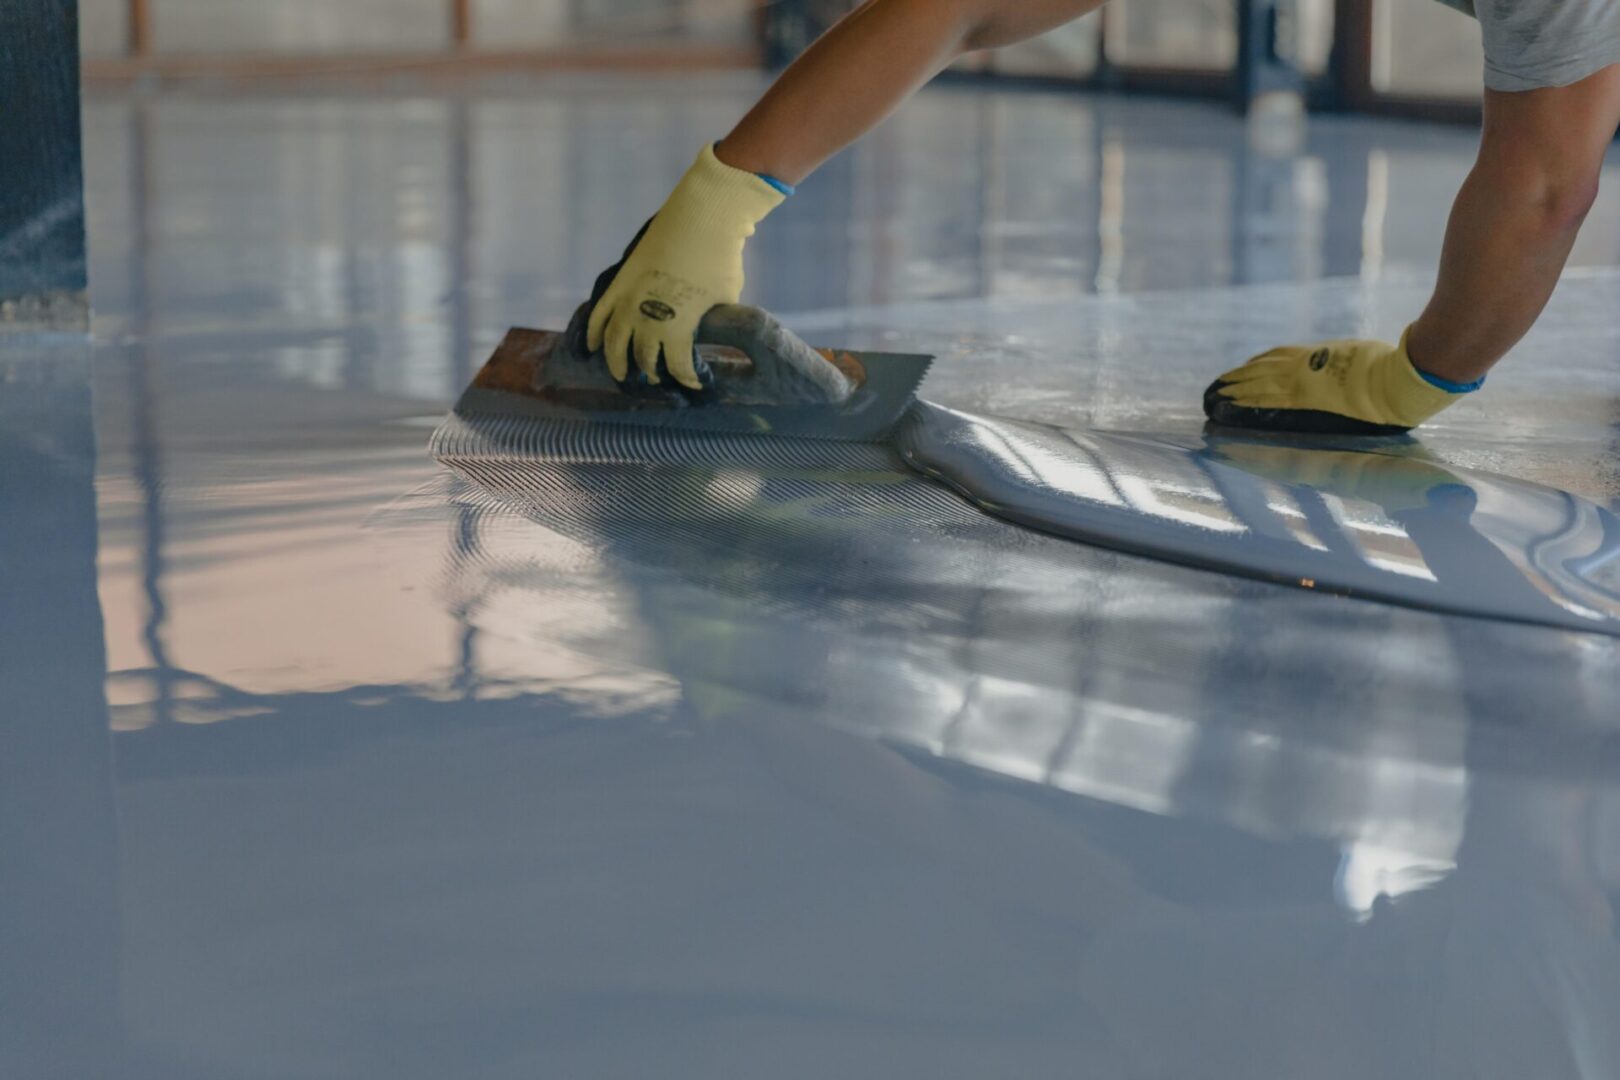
321	758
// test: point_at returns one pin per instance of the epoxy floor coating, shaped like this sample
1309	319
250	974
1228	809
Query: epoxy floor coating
325	759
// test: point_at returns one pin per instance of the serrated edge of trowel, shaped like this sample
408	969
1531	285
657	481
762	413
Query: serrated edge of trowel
868	416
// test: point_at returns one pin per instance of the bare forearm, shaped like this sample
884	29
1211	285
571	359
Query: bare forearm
1515	221
860	70
1503	254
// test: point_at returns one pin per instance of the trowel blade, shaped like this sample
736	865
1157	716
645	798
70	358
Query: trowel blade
514	382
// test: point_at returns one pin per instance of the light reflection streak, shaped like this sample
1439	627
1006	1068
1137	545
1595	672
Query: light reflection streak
1154	496
1372	221
1111	217
1367	520
1287	509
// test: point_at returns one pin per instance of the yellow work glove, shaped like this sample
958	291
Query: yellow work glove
1336	387
687	259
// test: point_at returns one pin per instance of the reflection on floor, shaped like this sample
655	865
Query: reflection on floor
413	772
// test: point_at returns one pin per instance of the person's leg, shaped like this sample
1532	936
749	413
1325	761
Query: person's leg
1514	221
865	66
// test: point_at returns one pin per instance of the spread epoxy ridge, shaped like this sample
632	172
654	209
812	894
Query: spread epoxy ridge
1358	523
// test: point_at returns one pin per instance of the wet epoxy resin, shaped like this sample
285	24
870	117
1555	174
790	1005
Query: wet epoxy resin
325	758
1338	519
1341	519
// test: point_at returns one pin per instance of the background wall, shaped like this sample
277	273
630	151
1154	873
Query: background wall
42	269
1418	48
371	27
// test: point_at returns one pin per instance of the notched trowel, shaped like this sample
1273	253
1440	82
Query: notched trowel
757	379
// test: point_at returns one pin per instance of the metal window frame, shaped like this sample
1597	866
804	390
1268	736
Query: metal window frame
1345	86
1258	69
1352	74
786	26
141	58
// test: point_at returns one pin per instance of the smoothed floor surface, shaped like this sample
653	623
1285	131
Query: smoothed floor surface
321	757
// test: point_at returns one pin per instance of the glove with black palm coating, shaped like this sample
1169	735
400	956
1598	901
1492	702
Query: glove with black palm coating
684	261
1336	387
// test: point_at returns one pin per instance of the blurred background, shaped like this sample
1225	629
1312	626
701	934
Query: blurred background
1371	55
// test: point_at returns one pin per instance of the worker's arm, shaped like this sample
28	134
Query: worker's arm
689	257
1511	229
866	65
1514	222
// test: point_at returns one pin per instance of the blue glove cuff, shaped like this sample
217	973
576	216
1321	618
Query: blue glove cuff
786	189
1447	385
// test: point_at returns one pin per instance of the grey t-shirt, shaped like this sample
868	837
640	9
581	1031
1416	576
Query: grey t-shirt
1531	44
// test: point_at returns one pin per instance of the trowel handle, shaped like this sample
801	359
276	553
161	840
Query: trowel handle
776	352
784	369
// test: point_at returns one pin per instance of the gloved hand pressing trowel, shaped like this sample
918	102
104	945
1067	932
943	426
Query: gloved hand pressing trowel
689	257
684	261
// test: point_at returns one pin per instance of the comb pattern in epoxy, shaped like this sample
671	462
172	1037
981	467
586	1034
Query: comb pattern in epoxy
1332	518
